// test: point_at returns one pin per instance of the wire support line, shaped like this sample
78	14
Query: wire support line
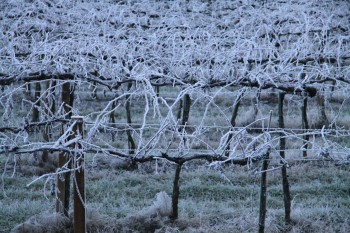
135	126
338	133
208	151
105	92
271	129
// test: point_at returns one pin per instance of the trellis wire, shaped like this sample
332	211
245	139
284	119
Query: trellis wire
223	127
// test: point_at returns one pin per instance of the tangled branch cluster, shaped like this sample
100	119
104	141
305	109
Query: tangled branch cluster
129	48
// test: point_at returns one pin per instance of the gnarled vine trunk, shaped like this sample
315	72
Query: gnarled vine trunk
176	193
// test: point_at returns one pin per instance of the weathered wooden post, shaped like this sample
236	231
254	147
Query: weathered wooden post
263	188
63	181
37	93
263	185
79	177
305	125
63	186
131	141
285	182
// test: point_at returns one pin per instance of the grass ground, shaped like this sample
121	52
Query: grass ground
210	201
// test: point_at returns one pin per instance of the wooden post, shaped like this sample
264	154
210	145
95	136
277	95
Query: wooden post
186	109
63	186
285	183
323	121
37	93
79	183
178	115
263	188
305	126
63	181
157	91
263	185
131	141
186	106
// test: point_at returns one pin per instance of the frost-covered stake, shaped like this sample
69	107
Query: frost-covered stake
79	185
305	125
263	186
63	181
285	182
